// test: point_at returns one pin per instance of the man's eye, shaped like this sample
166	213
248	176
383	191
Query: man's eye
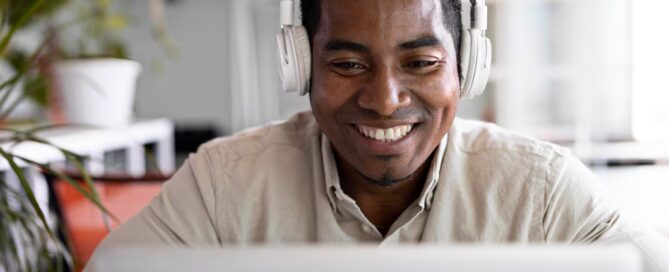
422	63
348	67
423	66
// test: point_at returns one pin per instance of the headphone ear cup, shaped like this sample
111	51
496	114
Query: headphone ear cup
483	66
466	48
303	55
294	59
475	62
288	67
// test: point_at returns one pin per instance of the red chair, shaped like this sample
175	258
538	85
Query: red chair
85	225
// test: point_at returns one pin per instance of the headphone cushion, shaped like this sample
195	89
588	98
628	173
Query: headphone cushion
465	46
482	66
303	55
286	62
465	62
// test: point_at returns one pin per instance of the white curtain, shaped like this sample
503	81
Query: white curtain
254	84
562	68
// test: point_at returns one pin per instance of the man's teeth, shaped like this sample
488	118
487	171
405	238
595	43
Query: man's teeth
385	134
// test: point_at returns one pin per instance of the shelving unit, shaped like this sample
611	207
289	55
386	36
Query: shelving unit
133	150
100	144
641	192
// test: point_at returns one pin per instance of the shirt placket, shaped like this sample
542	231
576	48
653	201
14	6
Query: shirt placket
350	207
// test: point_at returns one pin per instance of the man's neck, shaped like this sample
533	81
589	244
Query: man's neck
382	205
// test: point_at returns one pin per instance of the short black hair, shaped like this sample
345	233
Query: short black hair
311	15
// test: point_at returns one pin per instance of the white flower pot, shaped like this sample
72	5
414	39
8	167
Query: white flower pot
98	92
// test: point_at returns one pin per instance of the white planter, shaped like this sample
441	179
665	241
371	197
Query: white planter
98	92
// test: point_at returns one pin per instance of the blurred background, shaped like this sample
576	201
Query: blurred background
585	74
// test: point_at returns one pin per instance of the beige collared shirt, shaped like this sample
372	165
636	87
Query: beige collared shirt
346	209
278	184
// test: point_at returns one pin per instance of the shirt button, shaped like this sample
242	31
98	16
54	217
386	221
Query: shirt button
366	228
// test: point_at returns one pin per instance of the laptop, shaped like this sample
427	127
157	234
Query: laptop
372	259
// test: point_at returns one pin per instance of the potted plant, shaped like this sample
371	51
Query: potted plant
85	74
28	241
28	81
93	75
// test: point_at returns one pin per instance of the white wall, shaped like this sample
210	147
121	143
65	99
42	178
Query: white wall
190	87
225	73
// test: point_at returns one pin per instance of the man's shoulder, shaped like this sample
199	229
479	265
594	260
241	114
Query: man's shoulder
476	136
493	157
510	153
295	133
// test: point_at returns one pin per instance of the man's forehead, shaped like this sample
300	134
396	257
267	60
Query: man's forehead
346	8
391	21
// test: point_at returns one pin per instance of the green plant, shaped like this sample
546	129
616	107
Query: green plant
100	26
16	15
27	239
92	30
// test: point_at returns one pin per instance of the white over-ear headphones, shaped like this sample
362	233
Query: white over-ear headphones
295	53
475	52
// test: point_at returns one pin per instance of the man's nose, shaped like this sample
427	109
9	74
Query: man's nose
384	94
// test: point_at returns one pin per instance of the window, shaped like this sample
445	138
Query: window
650	57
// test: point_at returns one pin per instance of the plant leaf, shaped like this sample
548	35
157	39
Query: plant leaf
27	190
8	87
21	21
76	160
47	127
116	22
89	195
9	84
13	105
89	182
37	89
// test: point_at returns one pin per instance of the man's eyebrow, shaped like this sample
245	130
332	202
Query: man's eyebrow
335	45
420	42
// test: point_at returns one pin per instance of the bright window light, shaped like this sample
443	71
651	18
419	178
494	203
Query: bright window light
650	58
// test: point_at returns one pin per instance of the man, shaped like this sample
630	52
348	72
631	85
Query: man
381	157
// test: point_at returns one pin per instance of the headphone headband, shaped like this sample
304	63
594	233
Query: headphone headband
287	12
479	15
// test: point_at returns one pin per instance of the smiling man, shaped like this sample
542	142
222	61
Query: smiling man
385	90
381	157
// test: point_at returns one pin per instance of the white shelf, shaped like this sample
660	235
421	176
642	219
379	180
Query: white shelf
624	152
641	192
94	143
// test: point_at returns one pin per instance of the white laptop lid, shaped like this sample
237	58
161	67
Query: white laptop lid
372	259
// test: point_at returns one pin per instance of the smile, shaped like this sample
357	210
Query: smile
385	134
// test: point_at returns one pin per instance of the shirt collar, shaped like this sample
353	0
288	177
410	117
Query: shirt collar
333	185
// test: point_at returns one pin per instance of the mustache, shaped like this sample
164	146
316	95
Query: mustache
409	113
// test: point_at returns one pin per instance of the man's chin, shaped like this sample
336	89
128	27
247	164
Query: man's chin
384	182
386	179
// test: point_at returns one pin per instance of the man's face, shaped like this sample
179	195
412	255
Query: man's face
382	66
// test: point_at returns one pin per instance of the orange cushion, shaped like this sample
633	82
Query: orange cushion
84	221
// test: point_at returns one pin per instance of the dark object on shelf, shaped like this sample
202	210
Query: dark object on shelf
188	138
640	162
